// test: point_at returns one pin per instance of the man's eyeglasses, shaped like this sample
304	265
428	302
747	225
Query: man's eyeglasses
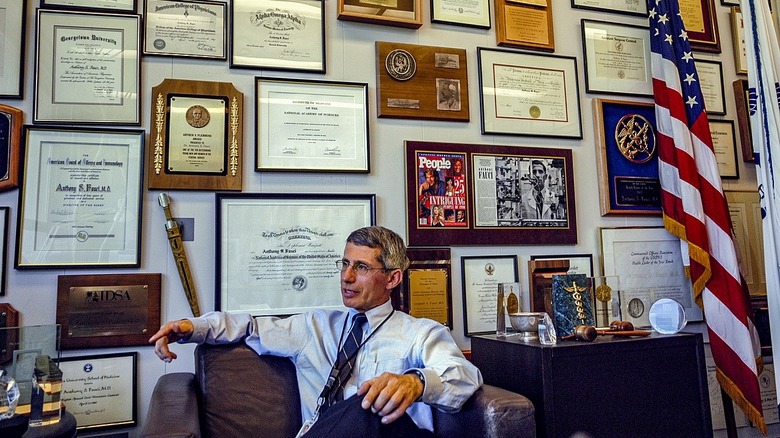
360	268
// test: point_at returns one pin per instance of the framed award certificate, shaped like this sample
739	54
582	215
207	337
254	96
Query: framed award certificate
80	201
480	276
193	29
711	82
123	6
88	68
471	14
628	7
617	58
724	143
13	21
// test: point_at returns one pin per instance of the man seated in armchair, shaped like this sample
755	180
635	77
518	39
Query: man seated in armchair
364	371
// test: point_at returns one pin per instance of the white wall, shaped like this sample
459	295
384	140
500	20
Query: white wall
350	57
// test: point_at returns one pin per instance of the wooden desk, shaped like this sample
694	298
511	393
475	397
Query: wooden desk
614	387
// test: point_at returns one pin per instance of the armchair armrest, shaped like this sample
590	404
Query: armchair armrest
173	410
491	412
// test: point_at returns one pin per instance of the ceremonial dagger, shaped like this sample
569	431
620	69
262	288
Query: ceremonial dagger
179	256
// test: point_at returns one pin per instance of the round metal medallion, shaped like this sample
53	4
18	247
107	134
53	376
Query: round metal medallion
400	65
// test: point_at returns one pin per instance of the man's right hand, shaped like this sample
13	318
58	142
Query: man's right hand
170	332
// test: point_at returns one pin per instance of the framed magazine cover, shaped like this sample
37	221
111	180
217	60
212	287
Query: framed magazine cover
467	194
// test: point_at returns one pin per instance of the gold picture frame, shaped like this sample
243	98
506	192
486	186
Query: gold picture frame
525	24
396	13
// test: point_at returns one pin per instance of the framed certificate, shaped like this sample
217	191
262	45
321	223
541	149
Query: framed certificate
284	263
100	390
701	24
617	58
10	137
472	14
741	99
14	22
628	7
192	29
311	126
197	135
627	158
529	94
123	6
738	36
525	24
278	35
426	291
396	13
746	219
480	276
80	201
711	82
87	68
724	142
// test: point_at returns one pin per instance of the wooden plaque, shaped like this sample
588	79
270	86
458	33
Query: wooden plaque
421	82
540	273
109	310
9	334
197	136
525	24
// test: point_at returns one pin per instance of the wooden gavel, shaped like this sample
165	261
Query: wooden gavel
588	333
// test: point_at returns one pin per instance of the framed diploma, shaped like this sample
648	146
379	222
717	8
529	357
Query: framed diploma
80	201
123	6
745	212
109	310
466	194
286	262
724	142
648	261
278	35
627	158
192	29
480	276
628	7
525	25
617	58
471	14
88	68
741	99
738	37
100	390
426	291
14	22
711	82
396	13
529	94
701	24
197	135
317	126
10	137
422	82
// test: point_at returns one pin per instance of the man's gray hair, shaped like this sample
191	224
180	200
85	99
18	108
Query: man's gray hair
392	253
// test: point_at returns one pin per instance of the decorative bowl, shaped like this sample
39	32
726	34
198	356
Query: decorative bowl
526	324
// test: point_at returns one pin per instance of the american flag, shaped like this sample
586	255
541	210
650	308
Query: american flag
695	209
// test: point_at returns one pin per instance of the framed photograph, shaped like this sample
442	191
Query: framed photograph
10	137
467	194
190	29
711	82
284	263
426	291
123	6
315	126
617	58
396	13
109	310
741	99
278	35
529	94
421	82
627	7
724	142
101	390
738	37
197	131
525	24
701	24
14	24
4	212
648	261
746	218
104	93
480	278
627	158
80	201
578	263
473	14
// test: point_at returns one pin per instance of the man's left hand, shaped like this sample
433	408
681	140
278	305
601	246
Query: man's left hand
390	395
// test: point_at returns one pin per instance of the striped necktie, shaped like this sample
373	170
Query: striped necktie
346	359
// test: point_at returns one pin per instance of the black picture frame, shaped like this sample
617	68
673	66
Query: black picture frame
480	291
575	4
179	11
717	108
129	7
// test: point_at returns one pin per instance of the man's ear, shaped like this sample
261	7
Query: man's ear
396	276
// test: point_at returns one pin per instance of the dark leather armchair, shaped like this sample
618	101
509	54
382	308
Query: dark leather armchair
236	393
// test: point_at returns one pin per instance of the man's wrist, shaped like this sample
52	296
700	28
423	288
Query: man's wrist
419	374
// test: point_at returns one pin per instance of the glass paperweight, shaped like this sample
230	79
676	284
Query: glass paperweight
667	316
547	335
9	395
